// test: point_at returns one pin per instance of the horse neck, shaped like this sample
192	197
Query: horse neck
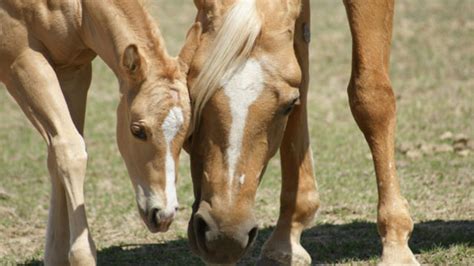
110	26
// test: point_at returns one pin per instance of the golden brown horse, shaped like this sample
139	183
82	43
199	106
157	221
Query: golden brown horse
46	49
248	85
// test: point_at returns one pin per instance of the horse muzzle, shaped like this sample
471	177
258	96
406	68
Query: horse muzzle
216	243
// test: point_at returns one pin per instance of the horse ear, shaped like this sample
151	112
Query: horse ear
208	7
206	4
191	44
199	3
133	62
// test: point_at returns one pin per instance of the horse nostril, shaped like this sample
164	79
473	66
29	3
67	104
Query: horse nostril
154	217
201	227
252	236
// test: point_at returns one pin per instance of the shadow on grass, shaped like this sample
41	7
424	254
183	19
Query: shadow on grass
327	243
359	240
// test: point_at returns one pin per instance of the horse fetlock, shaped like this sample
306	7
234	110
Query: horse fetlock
307	208
83	254
394	223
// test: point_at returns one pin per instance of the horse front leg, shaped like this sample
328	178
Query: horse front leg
34	85
372	104
299	199
74	85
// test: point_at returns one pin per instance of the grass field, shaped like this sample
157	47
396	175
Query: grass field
432	73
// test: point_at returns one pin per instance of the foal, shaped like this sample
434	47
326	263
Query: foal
248	84
46	49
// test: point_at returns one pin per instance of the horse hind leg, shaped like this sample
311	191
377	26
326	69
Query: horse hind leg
372	104
34	85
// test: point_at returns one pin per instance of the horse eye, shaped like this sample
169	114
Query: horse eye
138	131
290	106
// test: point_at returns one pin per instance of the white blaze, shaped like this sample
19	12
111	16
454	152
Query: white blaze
140	197
242	88
171	125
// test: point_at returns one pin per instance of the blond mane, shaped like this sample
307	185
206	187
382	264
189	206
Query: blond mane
232	46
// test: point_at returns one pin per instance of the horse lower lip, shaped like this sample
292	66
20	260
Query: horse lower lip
159	220
165	226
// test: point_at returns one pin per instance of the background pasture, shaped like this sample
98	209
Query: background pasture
432	73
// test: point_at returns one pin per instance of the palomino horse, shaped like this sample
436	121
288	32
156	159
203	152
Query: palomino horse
248	84
46	49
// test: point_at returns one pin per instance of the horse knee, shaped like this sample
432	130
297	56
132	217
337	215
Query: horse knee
372	100
70	157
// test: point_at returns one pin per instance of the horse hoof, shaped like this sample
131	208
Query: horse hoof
396	255
298	258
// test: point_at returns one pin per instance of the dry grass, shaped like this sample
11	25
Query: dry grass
432	72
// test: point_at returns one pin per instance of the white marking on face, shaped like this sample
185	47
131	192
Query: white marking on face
145	197
140	197
242	179
171	126
242	88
